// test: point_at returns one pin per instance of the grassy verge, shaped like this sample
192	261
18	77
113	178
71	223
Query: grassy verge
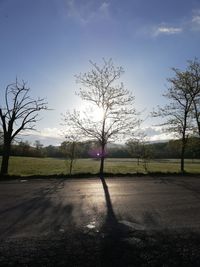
26	166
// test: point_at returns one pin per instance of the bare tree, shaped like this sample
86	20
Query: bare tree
193	72
178	112
110	111
135	146
69	149
138	147
38	145
39	152
19	114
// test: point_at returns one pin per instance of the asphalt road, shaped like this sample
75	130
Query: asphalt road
119	222
38	208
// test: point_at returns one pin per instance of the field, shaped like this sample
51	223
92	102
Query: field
49	166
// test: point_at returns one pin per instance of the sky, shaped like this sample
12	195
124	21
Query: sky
48	42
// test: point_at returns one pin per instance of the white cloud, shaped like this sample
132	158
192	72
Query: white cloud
45	132
196	16
47	136
76	13
195	22
87	12
104	9
191	23
196	19
51	132
55	136
167	30
156	133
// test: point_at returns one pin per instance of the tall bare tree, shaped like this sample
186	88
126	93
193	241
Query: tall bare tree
193	72
19	113
177	113
110	112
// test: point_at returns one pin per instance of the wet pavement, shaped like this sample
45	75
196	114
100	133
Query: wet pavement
39	207
91	212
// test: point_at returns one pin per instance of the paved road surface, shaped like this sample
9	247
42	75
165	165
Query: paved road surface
37	208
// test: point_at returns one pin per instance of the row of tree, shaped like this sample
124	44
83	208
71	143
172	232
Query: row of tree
110	114
182	114
132	149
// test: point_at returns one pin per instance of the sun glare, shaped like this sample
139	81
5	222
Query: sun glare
97	114
94	112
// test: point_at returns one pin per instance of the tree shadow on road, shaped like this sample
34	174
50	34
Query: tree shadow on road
123	245
111	222
37	213
112	225
115	250
178	182
115	244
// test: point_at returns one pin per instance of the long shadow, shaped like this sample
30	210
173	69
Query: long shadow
123	246
112	225
111	221
110	244
181	183
115	250
158	248
37	211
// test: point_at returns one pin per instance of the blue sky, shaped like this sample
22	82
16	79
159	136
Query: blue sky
47	42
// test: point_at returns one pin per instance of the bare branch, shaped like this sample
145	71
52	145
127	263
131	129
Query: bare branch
183	93
20	113
100	91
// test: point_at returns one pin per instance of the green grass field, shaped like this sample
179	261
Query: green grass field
49	166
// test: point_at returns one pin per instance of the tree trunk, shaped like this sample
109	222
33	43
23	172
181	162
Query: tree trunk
5	158
182	165
197	117
70	167
183	156
198	124
101	170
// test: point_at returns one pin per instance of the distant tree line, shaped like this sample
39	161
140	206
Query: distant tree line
25	149
90	149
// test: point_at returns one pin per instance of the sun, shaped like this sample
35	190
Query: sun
93	112
97	114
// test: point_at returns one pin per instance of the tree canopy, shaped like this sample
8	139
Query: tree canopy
19	113
110	112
